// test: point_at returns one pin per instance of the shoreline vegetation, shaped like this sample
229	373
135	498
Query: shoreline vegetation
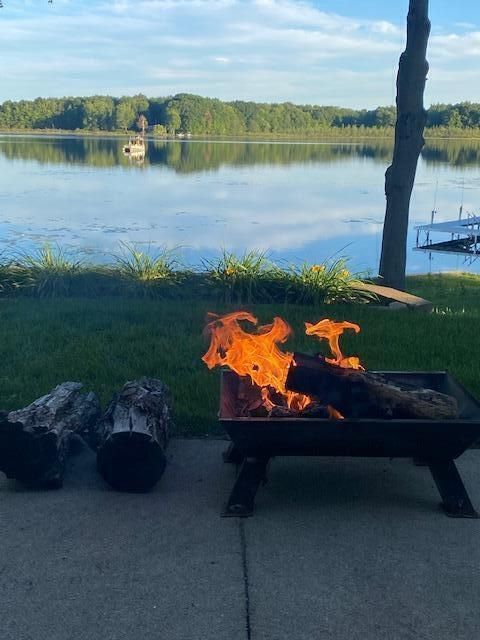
103	342
230	278
332	134
185	115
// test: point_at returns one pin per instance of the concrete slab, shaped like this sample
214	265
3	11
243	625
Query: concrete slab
358	549
88	563
337	549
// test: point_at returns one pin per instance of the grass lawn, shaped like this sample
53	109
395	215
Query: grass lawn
105	342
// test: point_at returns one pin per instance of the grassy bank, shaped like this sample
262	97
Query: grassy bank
104	342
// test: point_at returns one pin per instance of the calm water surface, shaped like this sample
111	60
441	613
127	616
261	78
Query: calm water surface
299	201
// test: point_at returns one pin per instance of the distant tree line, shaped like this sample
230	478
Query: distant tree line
207	116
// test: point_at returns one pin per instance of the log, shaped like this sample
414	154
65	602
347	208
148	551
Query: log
360	394
35	440
133	435
313	410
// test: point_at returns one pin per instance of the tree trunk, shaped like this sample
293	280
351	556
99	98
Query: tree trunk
133	436
411	120
34	441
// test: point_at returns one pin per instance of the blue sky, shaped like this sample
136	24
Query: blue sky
340	52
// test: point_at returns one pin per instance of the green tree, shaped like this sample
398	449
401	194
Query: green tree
454	119
99	113
159	130
125	114
173	120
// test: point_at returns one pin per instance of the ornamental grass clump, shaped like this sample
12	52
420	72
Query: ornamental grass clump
145	274
240	279
48	272
323	283
10	276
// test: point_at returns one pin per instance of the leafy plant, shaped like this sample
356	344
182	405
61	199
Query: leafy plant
240	279
47	272
9	280
146	274
324	283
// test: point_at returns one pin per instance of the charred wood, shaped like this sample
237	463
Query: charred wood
360	394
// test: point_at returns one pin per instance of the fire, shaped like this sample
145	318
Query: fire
332	331
253	354
258	355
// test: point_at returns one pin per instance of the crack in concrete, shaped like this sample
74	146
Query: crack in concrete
243	546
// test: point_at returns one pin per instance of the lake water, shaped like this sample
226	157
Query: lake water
300	201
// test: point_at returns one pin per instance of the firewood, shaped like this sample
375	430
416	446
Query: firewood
132	437
360	394
282	412
35	440
313	410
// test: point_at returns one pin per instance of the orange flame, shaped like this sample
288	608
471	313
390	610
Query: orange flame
331	331
258	356
253	354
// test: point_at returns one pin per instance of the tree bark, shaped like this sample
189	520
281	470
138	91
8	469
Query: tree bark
411	120
34	441
132	438
360	394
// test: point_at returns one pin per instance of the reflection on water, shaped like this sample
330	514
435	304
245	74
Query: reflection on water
301	201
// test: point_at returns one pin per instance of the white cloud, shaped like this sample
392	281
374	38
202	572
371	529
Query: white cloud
455	46
270	50
221	59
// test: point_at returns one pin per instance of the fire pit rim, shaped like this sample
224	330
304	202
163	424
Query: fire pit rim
226	373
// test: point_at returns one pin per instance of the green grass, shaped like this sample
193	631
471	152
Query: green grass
105	342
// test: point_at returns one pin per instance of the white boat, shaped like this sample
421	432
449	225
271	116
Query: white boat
135	147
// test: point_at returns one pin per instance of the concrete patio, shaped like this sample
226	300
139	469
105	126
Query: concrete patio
337	549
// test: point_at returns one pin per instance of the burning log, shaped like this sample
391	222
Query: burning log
35	440
133	435
360	394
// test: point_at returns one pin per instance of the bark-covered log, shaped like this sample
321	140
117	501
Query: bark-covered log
133	436
360	394
34	441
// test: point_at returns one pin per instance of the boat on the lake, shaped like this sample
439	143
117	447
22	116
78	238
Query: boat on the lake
135	147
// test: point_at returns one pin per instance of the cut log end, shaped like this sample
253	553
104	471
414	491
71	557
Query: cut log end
131	461
133	436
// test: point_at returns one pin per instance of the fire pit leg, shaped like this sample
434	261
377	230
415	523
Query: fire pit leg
242	498
456	502
233	454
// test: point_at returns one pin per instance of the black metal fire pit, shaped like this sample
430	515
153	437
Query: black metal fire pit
436	443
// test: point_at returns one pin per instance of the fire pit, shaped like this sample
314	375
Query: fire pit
438	443
276	403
